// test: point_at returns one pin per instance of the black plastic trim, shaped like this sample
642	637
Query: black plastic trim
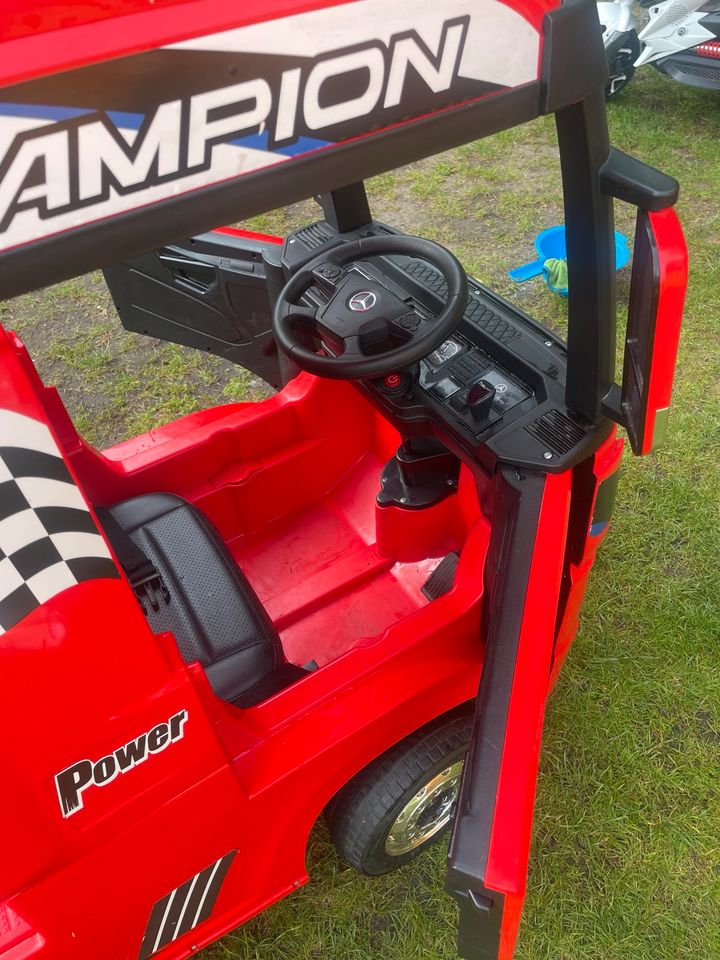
211	292
626	178
640	336
605	502
525	351
574	64
589	223
346	208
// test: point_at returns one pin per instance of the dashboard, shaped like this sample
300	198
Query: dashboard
496	387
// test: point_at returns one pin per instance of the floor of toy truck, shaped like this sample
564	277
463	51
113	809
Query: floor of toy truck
320	575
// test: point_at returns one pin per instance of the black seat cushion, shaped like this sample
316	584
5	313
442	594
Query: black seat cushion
213	611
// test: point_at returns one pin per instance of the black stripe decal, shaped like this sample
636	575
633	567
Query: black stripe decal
44	549
35	557
31	463
185	907
12	500
195	898
92	568
151	931
66	519
215	884
17	604
177	907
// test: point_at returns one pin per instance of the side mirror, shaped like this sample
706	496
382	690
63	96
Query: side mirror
657	295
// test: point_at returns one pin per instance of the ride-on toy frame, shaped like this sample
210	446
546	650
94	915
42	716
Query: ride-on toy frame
216	631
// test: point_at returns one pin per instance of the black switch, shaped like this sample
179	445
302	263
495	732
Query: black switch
480	398
444	388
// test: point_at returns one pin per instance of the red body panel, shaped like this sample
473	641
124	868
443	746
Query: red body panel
673	266
510	837
606	464
100	31
97	32
275	765
290	488
402	663
251	235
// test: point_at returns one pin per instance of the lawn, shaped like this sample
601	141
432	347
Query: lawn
626	850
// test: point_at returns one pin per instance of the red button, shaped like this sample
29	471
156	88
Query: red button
392	381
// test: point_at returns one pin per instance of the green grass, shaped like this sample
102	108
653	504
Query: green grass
626	850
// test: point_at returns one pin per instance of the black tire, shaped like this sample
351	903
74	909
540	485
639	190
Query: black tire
362	814
621	54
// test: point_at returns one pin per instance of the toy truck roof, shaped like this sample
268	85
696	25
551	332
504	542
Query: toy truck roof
129	124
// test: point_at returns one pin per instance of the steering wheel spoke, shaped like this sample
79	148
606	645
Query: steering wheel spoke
352	347
303	318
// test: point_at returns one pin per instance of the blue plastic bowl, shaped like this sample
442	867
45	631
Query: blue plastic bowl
550	245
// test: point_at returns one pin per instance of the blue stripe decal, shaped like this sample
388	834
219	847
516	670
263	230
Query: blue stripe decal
126	121
259	141
38	111
597	528
133	121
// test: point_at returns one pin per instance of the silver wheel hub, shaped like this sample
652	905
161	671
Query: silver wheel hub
426	813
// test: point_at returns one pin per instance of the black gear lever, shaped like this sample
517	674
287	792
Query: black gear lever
480	398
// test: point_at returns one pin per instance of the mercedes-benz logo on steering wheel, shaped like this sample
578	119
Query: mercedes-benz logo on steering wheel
363	301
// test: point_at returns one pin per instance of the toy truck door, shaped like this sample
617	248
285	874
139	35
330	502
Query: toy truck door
208	292
489	849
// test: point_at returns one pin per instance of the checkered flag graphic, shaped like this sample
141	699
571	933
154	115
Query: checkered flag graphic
48	538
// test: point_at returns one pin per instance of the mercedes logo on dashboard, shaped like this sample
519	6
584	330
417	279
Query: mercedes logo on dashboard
363	301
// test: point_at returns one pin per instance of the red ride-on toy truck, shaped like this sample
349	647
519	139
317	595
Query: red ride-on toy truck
352	597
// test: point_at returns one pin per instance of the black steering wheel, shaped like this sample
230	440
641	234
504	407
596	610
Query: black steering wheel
365	329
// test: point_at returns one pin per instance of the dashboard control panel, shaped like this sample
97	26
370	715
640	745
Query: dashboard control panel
496	386
470	385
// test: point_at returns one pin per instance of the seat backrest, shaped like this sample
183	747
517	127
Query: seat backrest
212	610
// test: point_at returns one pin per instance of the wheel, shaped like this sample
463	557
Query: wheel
403	801
622	53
